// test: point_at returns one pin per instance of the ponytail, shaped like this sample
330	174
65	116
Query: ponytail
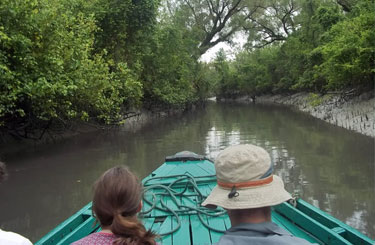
130	231
117	198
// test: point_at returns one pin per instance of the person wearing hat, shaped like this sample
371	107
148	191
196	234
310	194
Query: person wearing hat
247	189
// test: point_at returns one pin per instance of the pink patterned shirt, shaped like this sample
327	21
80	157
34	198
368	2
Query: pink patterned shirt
98	238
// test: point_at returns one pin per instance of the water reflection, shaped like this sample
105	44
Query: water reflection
329	167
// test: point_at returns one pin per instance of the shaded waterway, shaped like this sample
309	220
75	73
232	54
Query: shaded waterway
327	166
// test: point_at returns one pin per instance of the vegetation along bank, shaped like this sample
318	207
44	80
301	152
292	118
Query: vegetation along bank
97	62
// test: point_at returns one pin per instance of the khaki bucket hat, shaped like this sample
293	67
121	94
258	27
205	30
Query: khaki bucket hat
245	180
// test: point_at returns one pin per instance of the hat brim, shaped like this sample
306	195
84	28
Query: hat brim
252	197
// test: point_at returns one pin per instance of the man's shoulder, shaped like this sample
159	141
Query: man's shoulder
269	240
263	233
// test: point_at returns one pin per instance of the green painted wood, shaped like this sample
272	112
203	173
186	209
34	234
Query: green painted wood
156	227
81	231
200	236
182	235
66	227
194	170
166	226
339	230
146	206
315	228
218	223
227	222
205	189
184	169
292	228
207	166
349	232
148	223
189	202
163	170
221	223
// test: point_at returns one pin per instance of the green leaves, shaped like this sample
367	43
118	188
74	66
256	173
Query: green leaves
48	67
349	55
330	51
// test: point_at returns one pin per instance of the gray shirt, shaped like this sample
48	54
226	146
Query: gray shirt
263	233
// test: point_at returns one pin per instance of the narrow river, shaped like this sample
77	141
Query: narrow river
327	166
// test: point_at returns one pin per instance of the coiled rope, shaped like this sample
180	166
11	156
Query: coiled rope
190	190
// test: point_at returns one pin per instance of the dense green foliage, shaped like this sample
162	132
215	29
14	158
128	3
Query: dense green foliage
331	51
88	61
77	60
49	70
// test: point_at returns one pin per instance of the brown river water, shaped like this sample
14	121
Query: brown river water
329	167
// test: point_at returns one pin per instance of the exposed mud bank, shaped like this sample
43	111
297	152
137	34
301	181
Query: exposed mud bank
355	113
56	133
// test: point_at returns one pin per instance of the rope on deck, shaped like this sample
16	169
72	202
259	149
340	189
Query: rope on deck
189	190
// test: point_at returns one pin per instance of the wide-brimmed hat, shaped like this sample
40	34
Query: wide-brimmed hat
245	180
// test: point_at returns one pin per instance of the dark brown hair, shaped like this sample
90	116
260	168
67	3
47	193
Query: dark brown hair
117	196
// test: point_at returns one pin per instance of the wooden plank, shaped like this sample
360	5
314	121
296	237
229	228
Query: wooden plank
200	236
315	228
207	166
185	169
178	168
171	202
292	228
182	235
217	223
165	227
148	222
227	222
189	201
163	170
146	206
156	227
351	234
198	169
81	231
62	230
205	189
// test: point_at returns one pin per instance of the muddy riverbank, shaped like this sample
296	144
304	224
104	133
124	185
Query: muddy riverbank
57	131
355	113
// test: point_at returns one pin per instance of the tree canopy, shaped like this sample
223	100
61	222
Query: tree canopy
326	47
96	61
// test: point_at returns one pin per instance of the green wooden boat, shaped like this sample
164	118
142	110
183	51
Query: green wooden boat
173	194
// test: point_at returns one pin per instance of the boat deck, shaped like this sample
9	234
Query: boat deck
192	230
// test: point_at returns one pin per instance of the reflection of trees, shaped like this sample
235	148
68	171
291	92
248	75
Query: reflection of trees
328	166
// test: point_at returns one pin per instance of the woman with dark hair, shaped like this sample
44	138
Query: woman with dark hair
117	200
